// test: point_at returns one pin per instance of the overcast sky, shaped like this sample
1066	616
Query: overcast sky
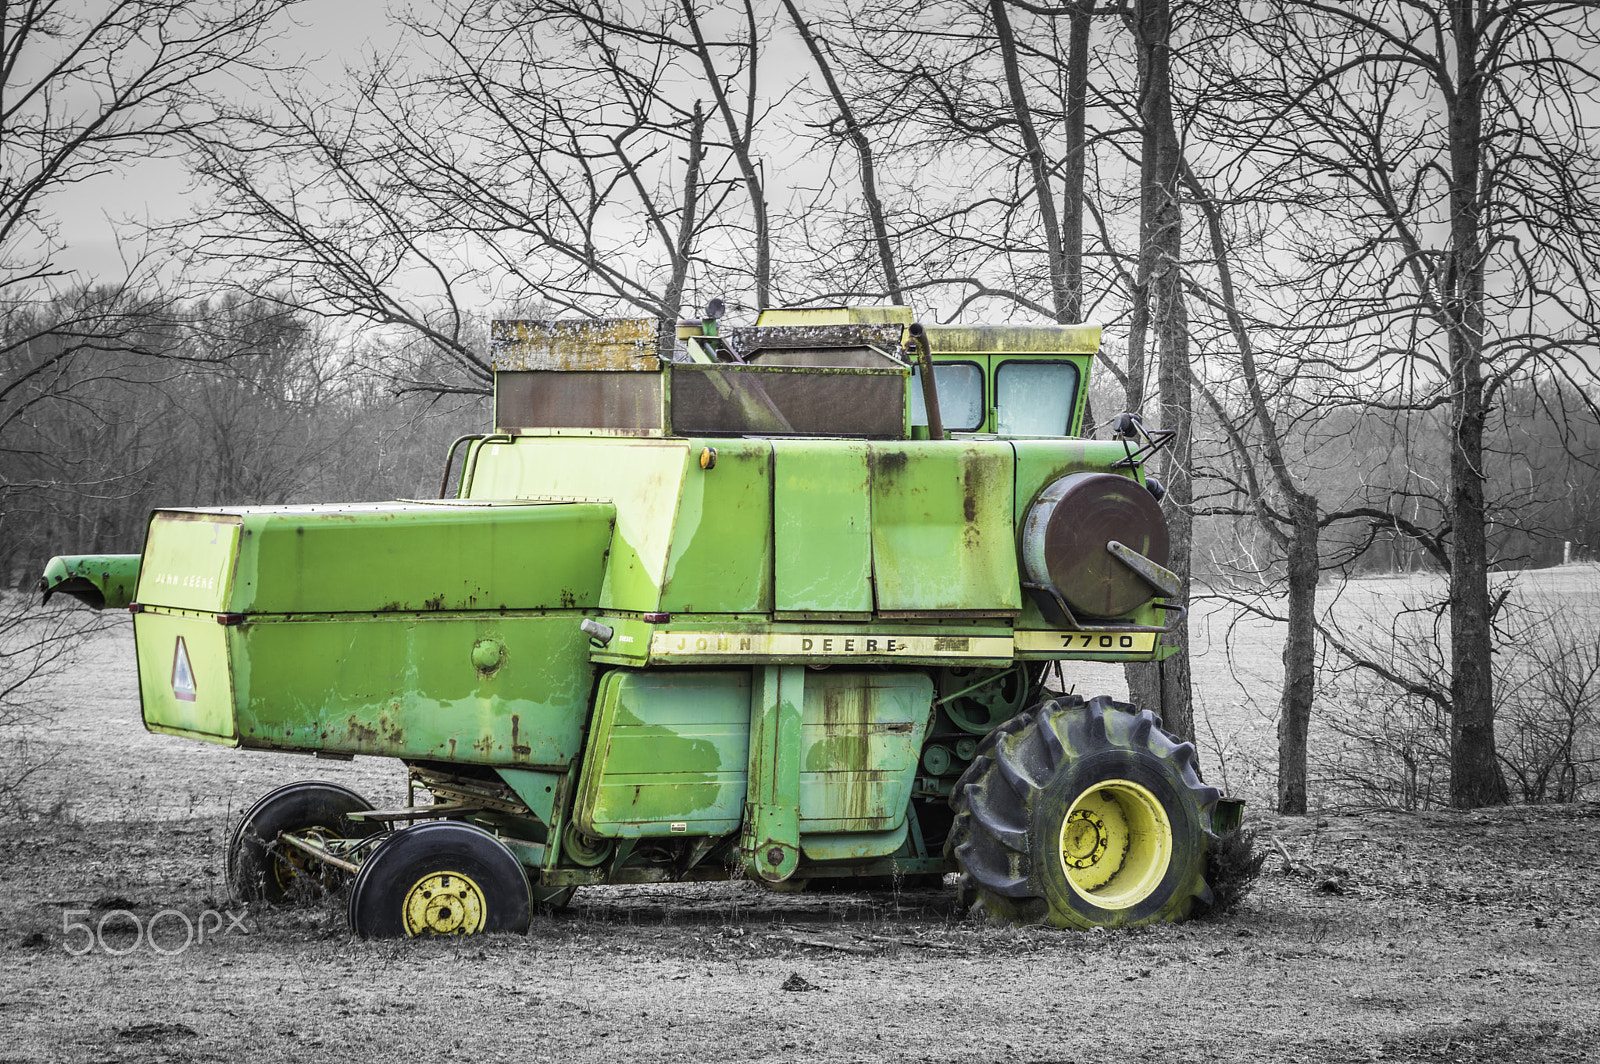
324	36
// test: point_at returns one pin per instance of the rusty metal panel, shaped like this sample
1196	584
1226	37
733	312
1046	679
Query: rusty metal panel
878	315
399	557
818	345
1014	339
739	400
99	581
860	737
943	528
611	344
770	842
509	690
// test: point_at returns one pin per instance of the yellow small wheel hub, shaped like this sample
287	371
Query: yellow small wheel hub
444	903
1084	839
1116	844
294	869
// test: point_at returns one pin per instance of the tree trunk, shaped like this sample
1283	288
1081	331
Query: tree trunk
1072	173
1161	267
1299	660
1301	544
1475	775
683	245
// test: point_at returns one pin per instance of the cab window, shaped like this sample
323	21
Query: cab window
1034	397
960	386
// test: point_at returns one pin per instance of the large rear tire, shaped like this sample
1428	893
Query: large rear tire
1083	815
440	878
262	869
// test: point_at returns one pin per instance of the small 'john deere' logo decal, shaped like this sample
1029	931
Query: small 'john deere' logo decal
182	673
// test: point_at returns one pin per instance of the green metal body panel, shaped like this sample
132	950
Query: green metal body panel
674	753
1012	340
377	557
857	845
186	678
101	581
937	518
720	559
860	737
392	684
822	523
406	685
424	666
943	527
667	754
539	791
642	479
189	560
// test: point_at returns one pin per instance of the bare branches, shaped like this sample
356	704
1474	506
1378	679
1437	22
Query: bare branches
90	88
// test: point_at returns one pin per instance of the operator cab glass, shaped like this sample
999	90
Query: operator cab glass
960	387
1034	397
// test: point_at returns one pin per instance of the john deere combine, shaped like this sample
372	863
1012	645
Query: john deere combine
740	613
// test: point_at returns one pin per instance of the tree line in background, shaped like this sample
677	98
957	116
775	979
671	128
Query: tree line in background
118	403
1346	251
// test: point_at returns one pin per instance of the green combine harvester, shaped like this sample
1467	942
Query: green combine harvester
747	612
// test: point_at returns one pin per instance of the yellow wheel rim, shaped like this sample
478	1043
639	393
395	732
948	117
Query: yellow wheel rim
1116	844
444	903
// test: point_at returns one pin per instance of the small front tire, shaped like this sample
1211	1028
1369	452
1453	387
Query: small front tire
440	878
262	869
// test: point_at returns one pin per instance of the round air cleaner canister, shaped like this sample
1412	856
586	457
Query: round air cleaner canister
1065	535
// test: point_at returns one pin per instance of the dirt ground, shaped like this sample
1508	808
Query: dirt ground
1428	937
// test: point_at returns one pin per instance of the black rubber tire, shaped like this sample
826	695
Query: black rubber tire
445	852
1012	802
260	870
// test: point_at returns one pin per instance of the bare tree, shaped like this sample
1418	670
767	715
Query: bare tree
850	127
591	159
1462	195
86	89
973	104
92	88
89	90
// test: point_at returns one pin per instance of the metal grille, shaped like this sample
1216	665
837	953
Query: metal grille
733	400
568	399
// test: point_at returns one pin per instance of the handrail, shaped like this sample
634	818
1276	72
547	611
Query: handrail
450	458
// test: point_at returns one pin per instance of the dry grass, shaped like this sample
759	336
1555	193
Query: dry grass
1433	936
